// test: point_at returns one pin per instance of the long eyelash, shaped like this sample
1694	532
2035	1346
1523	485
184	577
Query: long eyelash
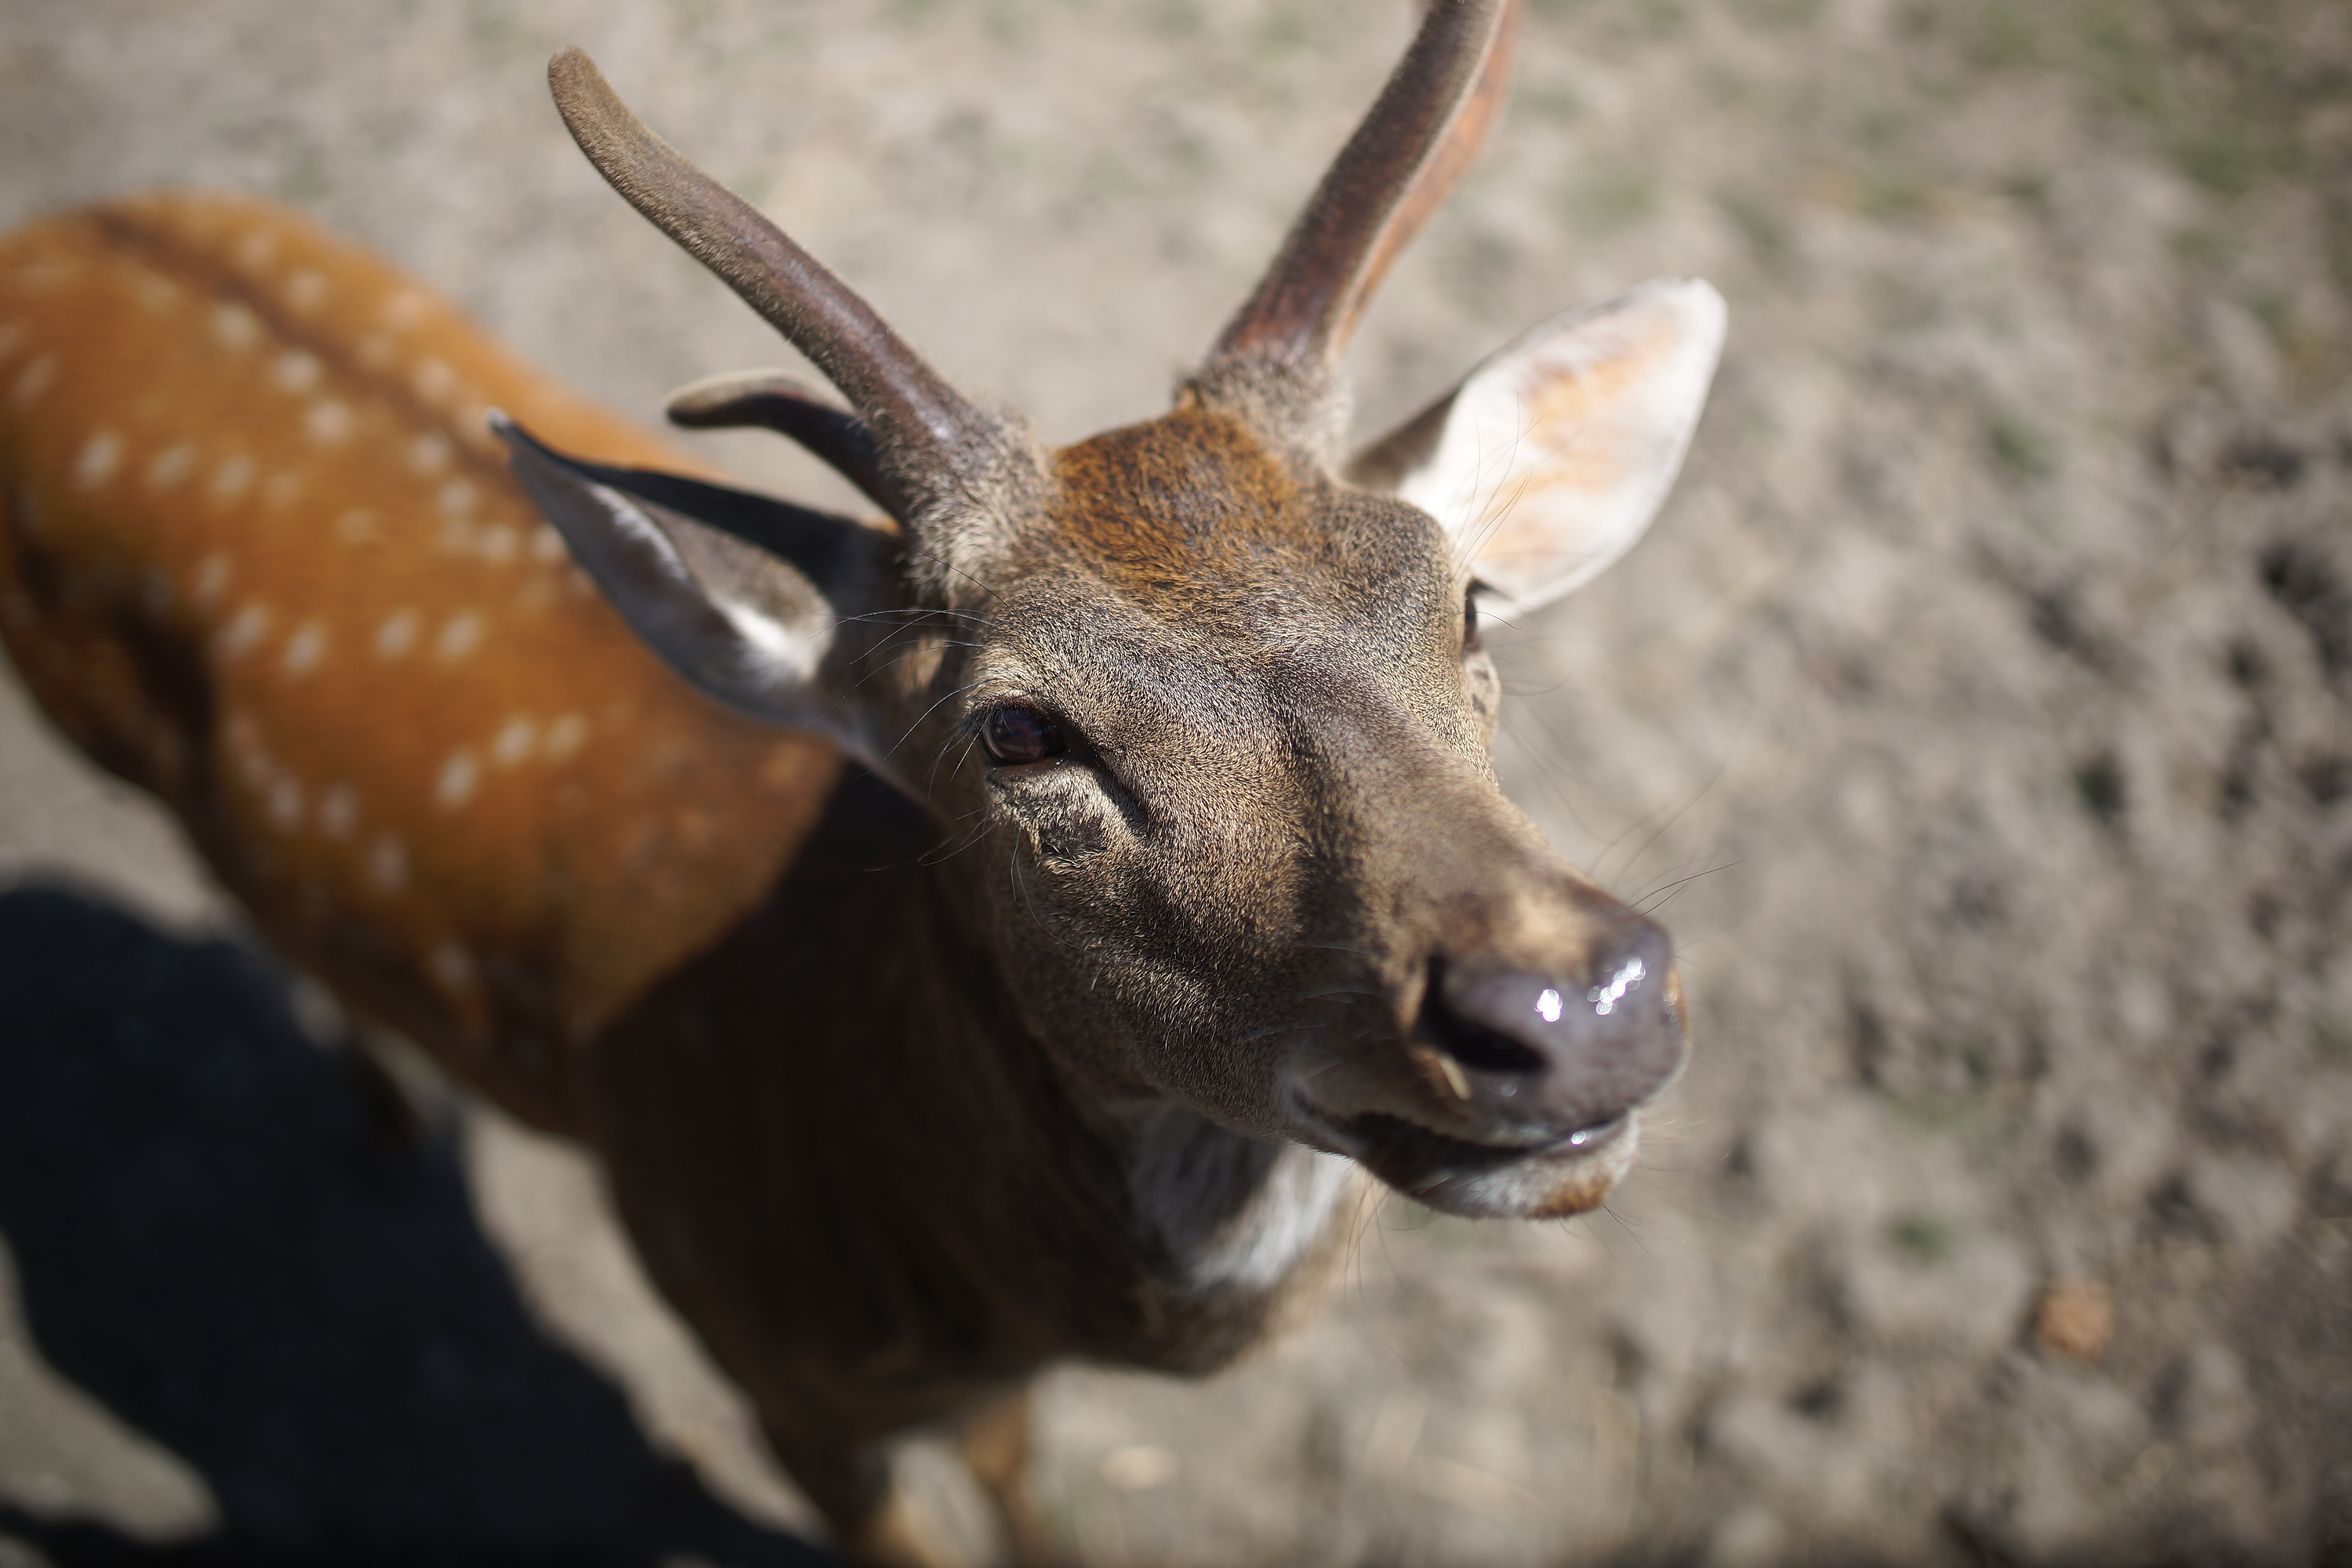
967	729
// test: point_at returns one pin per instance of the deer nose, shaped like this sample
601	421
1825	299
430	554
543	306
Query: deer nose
1571	1053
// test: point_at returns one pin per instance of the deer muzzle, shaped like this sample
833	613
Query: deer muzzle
1519	1090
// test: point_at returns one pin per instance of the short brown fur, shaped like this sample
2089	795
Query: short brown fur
630	831
1184	510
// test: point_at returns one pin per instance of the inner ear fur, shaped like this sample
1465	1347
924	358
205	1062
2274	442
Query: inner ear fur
744	596
1552	457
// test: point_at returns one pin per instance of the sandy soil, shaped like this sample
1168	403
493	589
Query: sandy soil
1979	713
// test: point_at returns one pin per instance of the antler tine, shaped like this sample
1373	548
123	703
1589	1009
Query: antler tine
925	424
1415	143
772	401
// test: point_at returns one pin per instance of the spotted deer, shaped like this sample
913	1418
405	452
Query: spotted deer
1036	903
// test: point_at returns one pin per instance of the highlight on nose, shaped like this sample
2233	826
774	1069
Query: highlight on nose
1569	1053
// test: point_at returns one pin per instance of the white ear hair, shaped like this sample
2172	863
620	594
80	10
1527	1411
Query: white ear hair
1552	458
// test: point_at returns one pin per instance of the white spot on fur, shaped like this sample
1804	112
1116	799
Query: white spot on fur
396	635
244	631
256	250
459	639
514	741
101	456
253	764
375	350
405	309
457	498
296	371
171	464
564	736
388	863
286	804
339	811
453	967
230	480
155	292
356	526
428	454
546	545
459	775
328	422
305	648
235	328
211	580
31	382
434	379
307	289
498	543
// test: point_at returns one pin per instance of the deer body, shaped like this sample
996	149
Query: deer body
1085	874
487	815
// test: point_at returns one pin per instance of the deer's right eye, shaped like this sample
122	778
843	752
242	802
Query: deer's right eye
1015	736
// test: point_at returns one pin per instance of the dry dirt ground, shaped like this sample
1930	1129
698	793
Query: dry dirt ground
1979	713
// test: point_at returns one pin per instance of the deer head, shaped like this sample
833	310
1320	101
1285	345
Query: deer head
1202	704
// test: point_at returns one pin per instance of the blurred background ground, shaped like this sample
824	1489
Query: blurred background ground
1979	713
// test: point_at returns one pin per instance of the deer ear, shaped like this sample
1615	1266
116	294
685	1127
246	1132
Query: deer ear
1551	459
741	594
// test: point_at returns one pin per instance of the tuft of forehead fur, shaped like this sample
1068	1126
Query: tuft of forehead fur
1194	514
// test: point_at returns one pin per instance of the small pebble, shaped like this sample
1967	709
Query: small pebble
2076	1318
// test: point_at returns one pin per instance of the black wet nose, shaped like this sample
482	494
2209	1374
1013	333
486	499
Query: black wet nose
1570	1051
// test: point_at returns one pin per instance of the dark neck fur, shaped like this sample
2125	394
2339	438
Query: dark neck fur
887	1199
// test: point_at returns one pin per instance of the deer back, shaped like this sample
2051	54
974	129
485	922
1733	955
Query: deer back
262	557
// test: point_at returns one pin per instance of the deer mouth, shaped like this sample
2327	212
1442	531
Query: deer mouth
1564	1175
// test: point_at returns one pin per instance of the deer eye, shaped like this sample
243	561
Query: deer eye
1471	641
1016	735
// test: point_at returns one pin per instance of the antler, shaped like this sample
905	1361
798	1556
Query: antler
775	401
1408	153
927	431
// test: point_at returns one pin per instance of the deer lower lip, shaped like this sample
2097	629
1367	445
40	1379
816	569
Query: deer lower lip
1541	1173
1560	1176
1392	1141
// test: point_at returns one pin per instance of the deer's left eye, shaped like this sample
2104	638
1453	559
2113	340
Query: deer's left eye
1471	641
1016	735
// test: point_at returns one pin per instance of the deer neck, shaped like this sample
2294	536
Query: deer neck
921	1136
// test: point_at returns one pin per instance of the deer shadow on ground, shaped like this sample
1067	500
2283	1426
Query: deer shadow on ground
214	1242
